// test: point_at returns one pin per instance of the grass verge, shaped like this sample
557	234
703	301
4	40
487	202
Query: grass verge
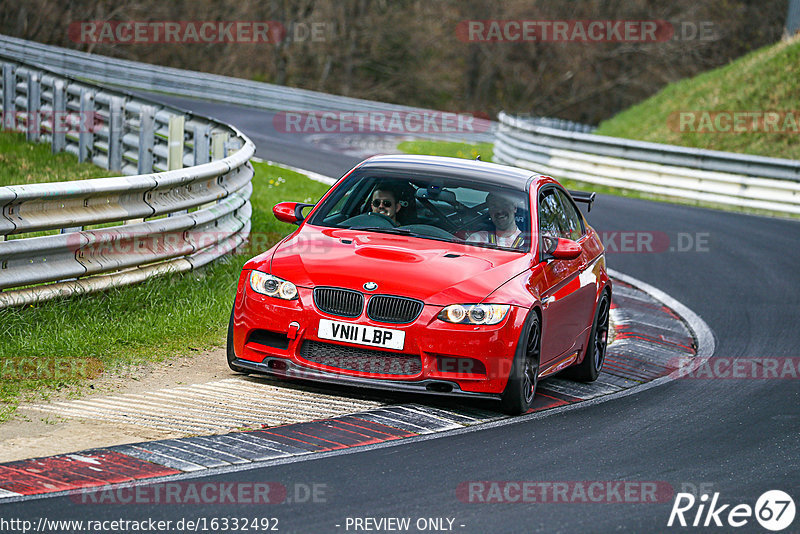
70	340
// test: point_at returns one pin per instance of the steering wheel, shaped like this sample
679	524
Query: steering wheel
384	217
475	218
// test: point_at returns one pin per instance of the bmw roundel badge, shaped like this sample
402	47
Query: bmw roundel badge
370	286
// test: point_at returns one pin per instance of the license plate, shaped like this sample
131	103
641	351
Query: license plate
361	334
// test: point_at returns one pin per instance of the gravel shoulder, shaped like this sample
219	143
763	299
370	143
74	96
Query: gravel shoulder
30	434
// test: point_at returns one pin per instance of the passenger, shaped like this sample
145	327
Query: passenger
502	211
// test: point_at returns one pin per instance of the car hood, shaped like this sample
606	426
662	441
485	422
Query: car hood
435	272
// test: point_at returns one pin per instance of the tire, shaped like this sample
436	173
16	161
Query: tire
589	368
231	353
520	390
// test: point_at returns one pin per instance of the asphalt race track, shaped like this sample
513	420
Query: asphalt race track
737	437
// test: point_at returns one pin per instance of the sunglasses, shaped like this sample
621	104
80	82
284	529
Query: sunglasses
376	203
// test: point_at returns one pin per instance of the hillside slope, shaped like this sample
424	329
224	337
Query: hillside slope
766	80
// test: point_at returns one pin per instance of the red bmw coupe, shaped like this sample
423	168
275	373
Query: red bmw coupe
432	275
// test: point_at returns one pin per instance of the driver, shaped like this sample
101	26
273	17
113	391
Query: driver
505	233
384	201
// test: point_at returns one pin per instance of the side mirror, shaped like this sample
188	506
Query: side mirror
290	212
561	249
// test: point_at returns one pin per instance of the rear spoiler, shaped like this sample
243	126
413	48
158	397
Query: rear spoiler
583	196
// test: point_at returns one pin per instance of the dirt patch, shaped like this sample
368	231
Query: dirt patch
30	434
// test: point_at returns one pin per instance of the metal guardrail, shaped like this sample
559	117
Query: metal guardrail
184	203
557	124
792	25
147	77
703	175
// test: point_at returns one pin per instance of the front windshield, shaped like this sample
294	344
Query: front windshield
446	209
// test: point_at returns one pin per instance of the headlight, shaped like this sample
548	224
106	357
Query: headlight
272	286
474	313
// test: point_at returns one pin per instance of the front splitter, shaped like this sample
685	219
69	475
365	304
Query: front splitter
283	368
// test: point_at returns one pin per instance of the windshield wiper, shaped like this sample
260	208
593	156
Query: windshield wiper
396	231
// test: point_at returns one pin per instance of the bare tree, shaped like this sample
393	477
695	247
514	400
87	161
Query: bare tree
409	51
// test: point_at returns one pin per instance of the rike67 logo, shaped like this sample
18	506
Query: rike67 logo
774	510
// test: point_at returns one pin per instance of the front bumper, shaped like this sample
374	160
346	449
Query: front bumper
454	359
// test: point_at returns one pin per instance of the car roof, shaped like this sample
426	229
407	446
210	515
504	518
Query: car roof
471	170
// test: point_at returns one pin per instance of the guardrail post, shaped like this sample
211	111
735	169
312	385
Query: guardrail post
175	138
86	130
175	143
59	139
219	145
792	25
115	124
201	145
34	101
9	91
147	132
